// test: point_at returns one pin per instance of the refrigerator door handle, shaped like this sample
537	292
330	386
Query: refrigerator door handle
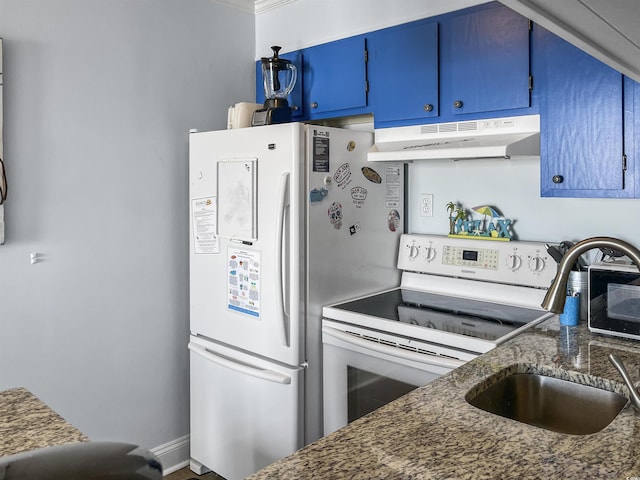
280	245
269	375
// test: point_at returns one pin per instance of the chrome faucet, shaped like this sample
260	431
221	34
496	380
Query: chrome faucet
557	292
634	397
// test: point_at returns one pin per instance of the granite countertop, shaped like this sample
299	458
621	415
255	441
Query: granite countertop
433	433
26	423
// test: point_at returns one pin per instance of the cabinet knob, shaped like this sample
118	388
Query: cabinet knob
294	108
557	179
457	104
314	105
428	107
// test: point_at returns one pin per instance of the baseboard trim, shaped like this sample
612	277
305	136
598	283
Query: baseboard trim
173	455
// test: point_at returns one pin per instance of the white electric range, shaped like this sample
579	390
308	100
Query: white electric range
458	298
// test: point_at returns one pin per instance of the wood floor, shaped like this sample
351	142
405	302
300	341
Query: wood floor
186	474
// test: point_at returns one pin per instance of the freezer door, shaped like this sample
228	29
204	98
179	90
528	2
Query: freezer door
245	412
246	229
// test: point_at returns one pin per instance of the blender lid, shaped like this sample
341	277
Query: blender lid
279	62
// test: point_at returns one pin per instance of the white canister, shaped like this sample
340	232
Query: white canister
241	114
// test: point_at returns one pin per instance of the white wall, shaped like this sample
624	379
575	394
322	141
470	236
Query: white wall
302	23
99	98
514	187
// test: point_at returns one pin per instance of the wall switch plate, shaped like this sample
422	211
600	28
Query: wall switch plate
426	205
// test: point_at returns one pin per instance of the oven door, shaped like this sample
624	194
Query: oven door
364	370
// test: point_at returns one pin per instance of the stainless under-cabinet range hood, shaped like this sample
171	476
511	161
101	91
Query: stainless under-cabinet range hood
605	29
487	138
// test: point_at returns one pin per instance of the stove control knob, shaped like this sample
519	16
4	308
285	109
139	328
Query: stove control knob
414	251
536	264
430	253
514	262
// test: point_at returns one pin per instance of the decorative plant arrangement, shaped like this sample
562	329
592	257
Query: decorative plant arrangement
455	213
492	225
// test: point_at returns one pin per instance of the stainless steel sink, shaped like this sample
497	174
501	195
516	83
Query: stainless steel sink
547	402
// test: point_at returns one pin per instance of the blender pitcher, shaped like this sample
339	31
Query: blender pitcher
279	77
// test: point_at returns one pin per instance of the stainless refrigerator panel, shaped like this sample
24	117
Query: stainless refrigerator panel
354	222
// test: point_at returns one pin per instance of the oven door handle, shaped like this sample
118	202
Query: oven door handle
392	351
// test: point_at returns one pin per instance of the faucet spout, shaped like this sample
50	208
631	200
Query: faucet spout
634	397
557	292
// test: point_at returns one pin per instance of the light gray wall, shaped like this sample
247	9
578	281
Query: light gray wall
99	98
514	187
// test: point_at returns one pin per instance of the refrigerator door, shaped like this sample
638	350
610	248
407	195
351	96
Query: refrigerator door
245	239
245	412
354	212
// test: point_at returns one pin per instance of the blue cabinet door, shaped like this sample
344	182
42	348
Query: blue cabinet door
295	97
403	72
581	131
335	76
488	60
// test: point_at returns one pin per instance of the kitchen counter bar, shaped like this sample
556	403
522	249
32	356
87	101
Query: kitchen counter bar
26	423
433	433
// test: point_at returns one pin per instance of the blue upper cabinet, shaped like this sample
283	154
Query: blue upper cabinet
403	72
487	61
470	64
583	114
335	78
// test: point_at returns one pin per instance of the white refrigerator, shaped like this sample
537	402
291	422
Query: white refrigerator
283	220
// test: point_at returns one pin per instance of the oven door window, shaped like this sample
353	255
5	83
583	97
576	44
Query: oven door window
357	380
367	391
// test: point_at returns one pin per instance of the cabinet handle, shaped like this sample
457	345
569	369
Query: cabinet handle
557	179
294	108
314	105
457	104
428	107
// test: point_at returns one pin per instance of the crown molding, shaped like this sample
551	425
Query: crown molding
266	5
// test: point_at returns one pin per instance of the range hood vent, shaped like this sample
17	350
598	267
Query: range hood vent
487	138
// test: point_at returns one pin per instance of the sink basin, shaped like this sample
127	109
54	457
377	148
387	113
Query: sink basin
547	402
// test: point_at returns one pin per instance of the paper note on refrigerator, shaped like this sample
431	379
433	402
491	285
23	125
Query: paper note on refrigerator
203	213
393	184
243	276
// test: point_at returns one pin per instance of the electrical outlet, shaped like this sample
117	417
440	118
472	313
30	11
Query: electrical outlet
426	205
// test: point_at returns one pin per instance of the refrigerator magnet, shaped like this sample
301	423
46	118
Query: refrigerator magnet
371	175
318	194
393	220
359	195
335	215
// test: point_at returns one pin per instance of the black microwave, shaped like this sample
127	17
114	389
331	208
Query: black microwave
614	299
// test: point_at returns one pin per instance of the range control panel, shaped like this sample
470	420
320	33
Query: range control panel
514	262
